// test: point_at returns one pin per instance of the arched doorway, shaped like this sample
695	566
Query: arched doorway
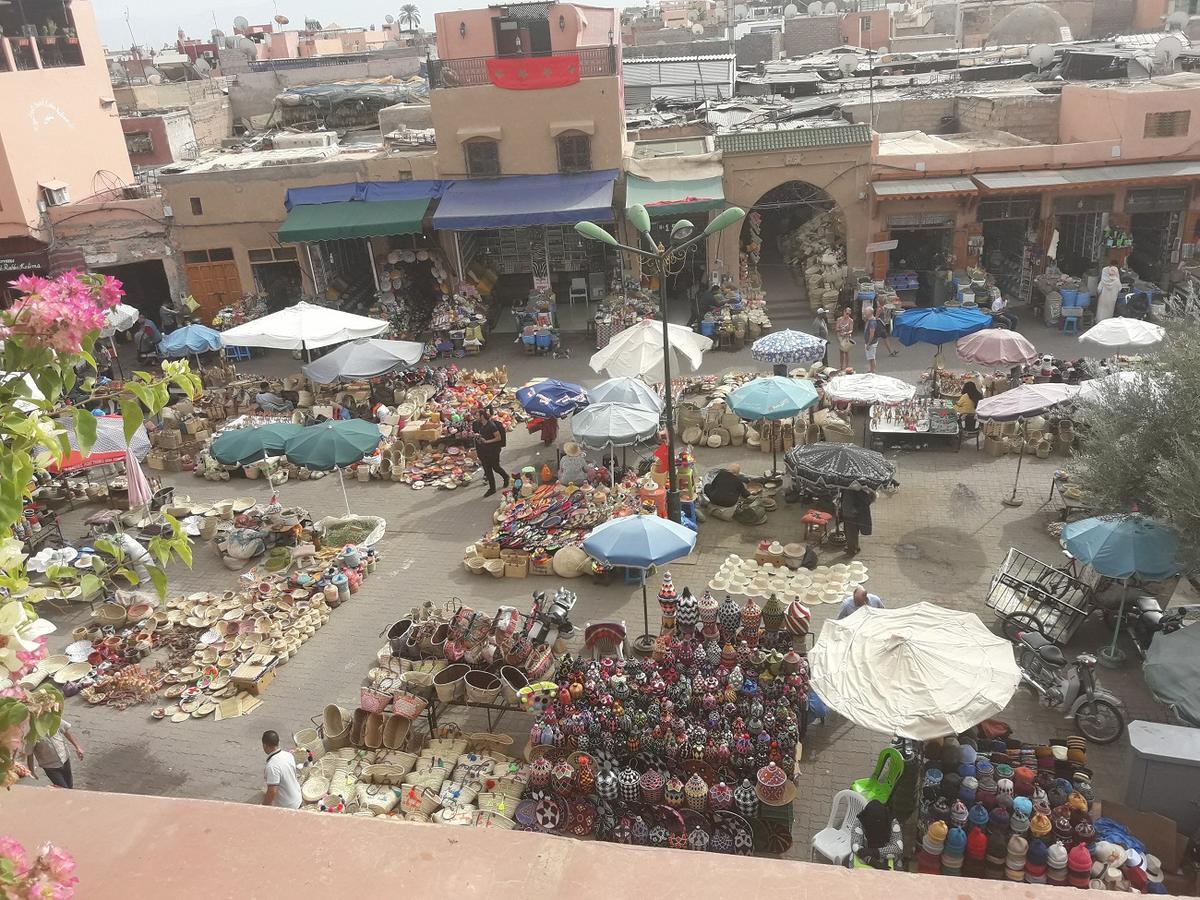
793	228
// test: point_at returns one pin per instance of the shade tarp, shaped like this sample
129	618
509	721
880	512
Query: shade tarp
613	423
1123	335
368	191
352	219
1025	401
996	347
920	672
364	358
300	326
1124	546
526	200
638	350
675	197
868	387
1172	672
639	541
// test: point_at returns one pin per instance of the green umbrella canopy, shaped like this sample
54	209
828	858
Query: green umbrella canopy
247	445
331	445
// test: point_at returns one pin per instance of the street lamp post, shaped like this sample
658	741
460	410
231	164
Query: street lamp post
682	238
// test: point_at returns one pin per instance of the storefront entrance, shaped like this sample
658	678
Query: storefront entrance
145	285
277	276
1155	223
1081	222
213	280
924	246
1010	252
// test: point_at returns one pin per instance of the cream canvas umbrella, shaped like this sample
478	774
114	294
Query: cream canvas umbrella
1123	335
919	672
638	350
304	326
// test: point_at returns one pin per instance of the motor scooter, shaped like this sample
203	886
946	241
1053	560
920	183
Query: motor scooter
550	622
1144	617
1070	686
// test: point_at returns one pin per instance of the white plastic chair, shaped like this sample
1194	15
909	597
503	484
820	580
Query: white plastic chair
833	841
579	291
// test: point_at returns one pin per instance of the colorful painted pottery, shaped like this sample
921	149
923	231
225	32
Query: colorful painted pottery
746	800
607	787
798	619
652	786
687	614
771	782
696	793
629	785
773	613
729	615
539	772
751	618
673	793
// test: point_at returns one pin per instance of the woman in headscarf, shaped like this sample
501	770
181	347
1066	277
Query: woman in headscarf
875	838
1110	286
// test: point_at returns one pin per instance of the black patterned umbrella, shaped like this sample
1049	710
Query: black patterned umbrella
835	465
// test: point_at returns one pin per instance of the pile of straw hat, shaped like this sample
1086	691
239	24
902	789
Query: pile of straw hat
824	584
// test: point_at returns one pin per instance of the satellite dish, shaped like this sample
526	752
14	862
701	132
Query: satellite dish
791	11
241	23
1041	55
692	15
154	79
244	43
1166	51
848	63
883	49
217	34
1177	21
389	19
741	11
282	20
830	8
697	29
814	8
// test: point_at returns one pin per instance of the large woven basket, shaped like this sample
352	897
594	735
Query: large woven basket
482	686
448	683
372	700
417	799
336	727
407	705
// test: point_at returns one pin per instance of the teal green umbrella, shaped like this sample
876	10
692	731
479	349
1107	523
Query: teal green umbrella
332	445
247	445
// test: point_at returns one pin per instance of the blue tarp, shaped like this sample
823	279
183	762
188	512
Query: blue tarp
369	191
938	325
526	200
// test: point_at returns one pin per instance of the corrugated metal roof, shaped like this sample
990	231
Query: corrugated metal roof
641	60
919	187
794	138
1009	181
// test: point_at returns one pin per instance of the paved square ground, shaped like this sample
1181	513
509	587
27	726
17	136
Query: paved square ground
939	537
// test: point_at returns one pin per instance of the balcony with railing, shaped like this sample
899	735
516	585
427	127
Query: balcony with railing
472	71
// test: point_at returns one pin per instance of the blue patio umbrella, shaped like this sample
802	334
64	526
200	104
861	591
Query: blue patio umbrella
552	398
1121	547
774	397
627	390
938	325
640	542
788	347
190	339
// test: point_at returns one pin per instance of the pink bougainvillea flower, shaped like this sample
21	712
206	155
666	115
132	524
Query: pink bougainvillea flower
12	850
59	864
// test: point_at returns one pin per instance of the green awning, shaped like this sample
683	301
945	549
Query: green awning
352	219
669	198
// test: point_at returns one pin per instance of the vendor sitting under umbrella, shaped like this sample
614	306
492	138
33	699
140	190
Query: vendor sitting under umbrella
573	466
875	838
727	486
271	402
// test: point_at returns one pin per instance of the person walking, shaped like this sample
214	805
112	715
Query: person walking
886	314
821	329
856	516
489	438
845	333
52	755
283	787
870	337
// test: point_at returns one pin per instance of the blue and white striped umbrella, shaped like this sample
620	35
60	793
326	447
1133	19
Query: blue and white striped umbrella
788	346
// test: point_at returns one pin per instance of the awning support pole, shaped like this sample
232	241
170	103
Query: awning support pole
462	276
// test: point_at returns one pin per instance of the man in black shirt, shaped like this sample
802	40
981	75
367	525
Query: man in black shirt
489	438
727	487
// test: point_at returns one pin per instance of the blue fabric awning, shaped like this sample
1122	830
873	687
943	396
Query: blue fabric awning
526	200
369	191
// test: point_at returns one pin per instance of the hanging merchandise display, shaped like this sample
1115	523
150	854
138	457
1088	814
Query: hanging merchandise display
818	249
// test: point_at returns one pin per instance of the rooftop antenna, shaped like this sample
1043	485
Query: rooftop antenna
1041	55
134	44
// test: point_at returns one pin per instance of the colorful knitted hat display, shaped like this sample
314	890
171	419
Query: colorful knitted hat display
956	842
966	793
966	770
998	820
984	767
951	782
1004	770
966	754
1014	864
1079	867
1056	864
958	813
1004	792
978	816
1019	823
977	842
1063	831
1023	781
1023	805
1039	826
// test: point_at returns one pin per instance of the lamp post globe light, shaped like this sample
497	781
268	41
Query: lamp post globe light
682	237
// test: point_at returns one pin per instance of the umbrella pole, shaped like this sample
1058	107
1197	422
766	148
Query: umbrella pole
345	496
644	645
1014	500
112	345
1112	656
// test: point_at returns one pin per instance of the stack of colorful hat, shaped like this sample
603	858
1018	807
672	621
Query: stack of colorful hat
1134	870
977	842
929	857
956	849
1023	781
966	792
1040	827
1004	791
1056	864
1036	862
958	814
1014	864
978	817
1077	750
985	793
998	821
997	850
1079	867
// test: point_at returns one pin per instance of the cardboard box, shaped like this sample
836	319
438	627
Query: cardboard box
195	424
255	675
202	437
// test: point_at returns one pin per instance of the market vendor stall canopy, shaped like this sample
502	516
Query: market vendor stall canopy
1123	335
240	446
638	350
303	326
109	446
839	466
1124	546
121	317
190	339
551	397
618	424
919	672
996	347
788	347
868	387
364	358
1172	671
675	197
1024	402
630	391
357	210
774	397
520	200
331	445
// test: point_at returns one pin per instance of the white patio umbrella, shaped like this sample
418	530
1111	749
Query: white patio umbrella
631	391
121	317
868	387
919	672
618	424
364	358
1123	335
304	326
638	350
1095	389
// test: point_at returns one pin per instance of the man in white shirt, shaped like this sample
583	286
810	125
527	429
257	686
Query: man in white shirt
283	787
52	755
1000	314
859	598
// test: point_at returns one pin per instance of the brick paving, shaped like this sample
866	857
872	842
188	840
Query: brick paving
938	537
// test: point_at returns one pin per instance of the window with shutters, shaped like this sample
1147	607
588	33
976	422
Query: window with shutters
483	158
574	152
1168	124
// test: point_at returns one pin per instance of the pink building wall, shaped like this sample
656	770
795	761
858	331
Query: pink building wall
583	26
60	126
856	32
1118	113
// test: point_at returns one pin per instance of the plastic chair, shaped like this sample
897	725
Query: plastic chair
237	352
603	639
1071	320
888	769
833	841
578	291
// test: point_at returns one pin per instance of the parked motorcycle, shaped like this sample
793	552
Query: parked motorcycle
1070	686
551	622
1144	617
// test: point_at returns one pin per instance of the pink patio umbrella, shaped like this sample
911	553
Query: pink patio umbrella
1022	403
995	347
140	493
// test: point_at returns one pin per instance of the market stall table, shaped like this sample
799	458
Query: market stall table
914	423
